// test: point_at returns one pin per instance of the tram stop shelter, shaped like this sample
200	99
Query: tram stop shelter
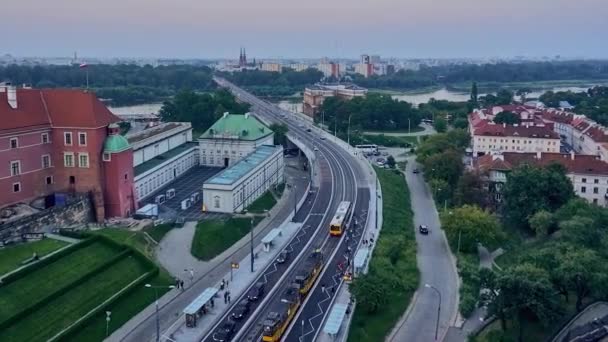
197	307
269	238
360	260
335	319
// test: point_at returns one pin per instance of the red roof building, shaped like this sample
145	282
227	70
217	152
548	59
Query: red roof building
51	140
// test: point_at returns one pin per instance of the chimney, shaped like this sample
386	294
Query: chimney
225	114
504	124
247	115
572	155
539	155
11	95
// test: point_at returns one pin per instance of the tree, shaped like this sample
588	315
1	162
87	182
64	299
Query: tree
455	139
530	189
461	123
522	93
541	222
280	133
446	166
471	190
391	162
520	291
507	117
471	225
474	95
581	272
440	125
504	97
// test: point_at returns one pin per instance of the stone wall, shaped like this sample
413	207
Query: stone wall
78	210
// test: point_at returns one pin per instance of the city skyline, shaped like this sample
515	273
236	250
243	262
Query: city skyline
274	29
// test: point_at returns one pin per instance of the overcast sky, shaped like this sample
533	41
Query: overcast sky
309	28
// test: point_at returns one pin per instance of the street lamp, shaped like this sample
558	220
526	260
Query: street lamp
438	308
348	132
108	313
250	239
156	287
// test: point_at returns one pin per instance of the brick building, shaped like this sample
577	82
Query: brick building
52	140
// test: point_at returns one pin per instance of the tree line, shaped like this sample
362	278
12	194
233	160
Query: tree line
593	103
274	84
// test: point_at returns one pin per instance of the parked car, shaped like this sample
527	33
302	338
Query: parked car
256	292
308	130
225	332
322	137
242	309
416	171
284	256
424	230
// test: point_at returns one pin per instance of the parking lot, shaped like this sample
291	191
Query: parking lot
187	184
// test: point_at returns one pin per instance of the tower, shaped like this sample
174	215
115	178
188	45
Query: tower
117	159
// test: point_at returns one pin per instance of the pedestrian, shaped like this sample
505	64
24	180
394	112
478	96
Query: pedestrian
332	290
322	288
177	282
225	298
212	303
229	299
181	283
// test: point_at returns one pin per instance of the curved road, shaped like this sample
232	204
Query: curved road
436	266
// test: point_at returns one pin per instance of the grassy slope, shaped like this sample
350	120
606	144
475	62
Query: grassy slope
158	232
11	257
212	237
397	226
66	309
264	202
35	286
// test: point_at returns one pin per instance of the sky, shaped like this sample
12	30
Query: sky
305	29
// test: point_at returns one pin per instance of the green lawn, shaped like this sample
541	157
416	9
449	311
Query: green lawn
262	204
11	257
62	311
389	141
280	189
159	232
133	239
37	285
414	129
212	237
394	257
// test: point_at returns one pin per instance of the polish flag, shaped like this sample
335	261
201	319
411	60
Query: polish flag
83	65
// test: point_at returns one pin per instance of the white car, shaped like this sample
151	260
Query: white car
316	148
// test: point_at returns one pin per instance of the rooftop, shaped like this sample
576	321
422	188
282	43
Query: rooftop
155	130
243	166
237	127
574	163
161	158
489	129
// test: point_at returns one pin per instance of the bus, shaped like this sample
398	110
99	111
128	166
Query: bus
367	148
338	223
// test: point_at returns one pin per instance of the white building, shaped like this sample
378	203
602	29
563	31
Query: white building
236	187
299	67
161	154
231	138
365	69
493	138
274	67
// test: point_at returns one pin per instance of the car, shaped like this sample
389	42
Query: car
256	292
309	130
416	171
284	256
225	331
322	137
423	229
316	148
300	125
384	153
242	309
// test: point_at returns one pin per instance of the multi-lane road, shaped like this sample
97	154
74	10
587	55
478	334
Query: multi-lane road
338	172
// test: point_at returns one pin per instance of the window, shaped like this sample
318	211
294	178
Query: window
72	180
216	201
67	138
45	138
583	189
68	159
596	181
15	168
14	142
584	180
126	176
82	139
46	161
107	156
83	160
595	201
49	180
595	190
16	187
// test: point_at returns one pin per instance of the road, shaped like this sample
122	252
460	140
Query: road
436	267
344	171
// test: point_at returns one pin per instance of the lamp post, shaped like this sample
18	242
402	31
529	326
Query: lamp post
108	313
348	132
438	308
156	287
251	243
409	126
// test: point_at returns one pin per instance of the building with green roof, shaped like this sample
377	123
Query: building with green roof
231	138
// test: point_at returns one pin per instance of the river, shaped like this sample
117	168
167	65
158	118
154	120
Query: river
415	98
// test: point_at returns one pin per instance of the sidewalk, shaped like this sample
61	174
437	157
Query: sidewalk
141	327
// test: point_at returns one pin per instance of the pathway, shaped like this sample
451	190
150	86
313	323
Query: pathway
428	130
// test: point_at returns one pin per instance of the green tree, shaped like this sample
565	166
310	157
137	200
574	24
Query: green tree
471	190
581	271
473	225
522	93
507	117
391	162
280	133
530	189
461	123
446	166
455	139
440	125
474	95
504	97
541	222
